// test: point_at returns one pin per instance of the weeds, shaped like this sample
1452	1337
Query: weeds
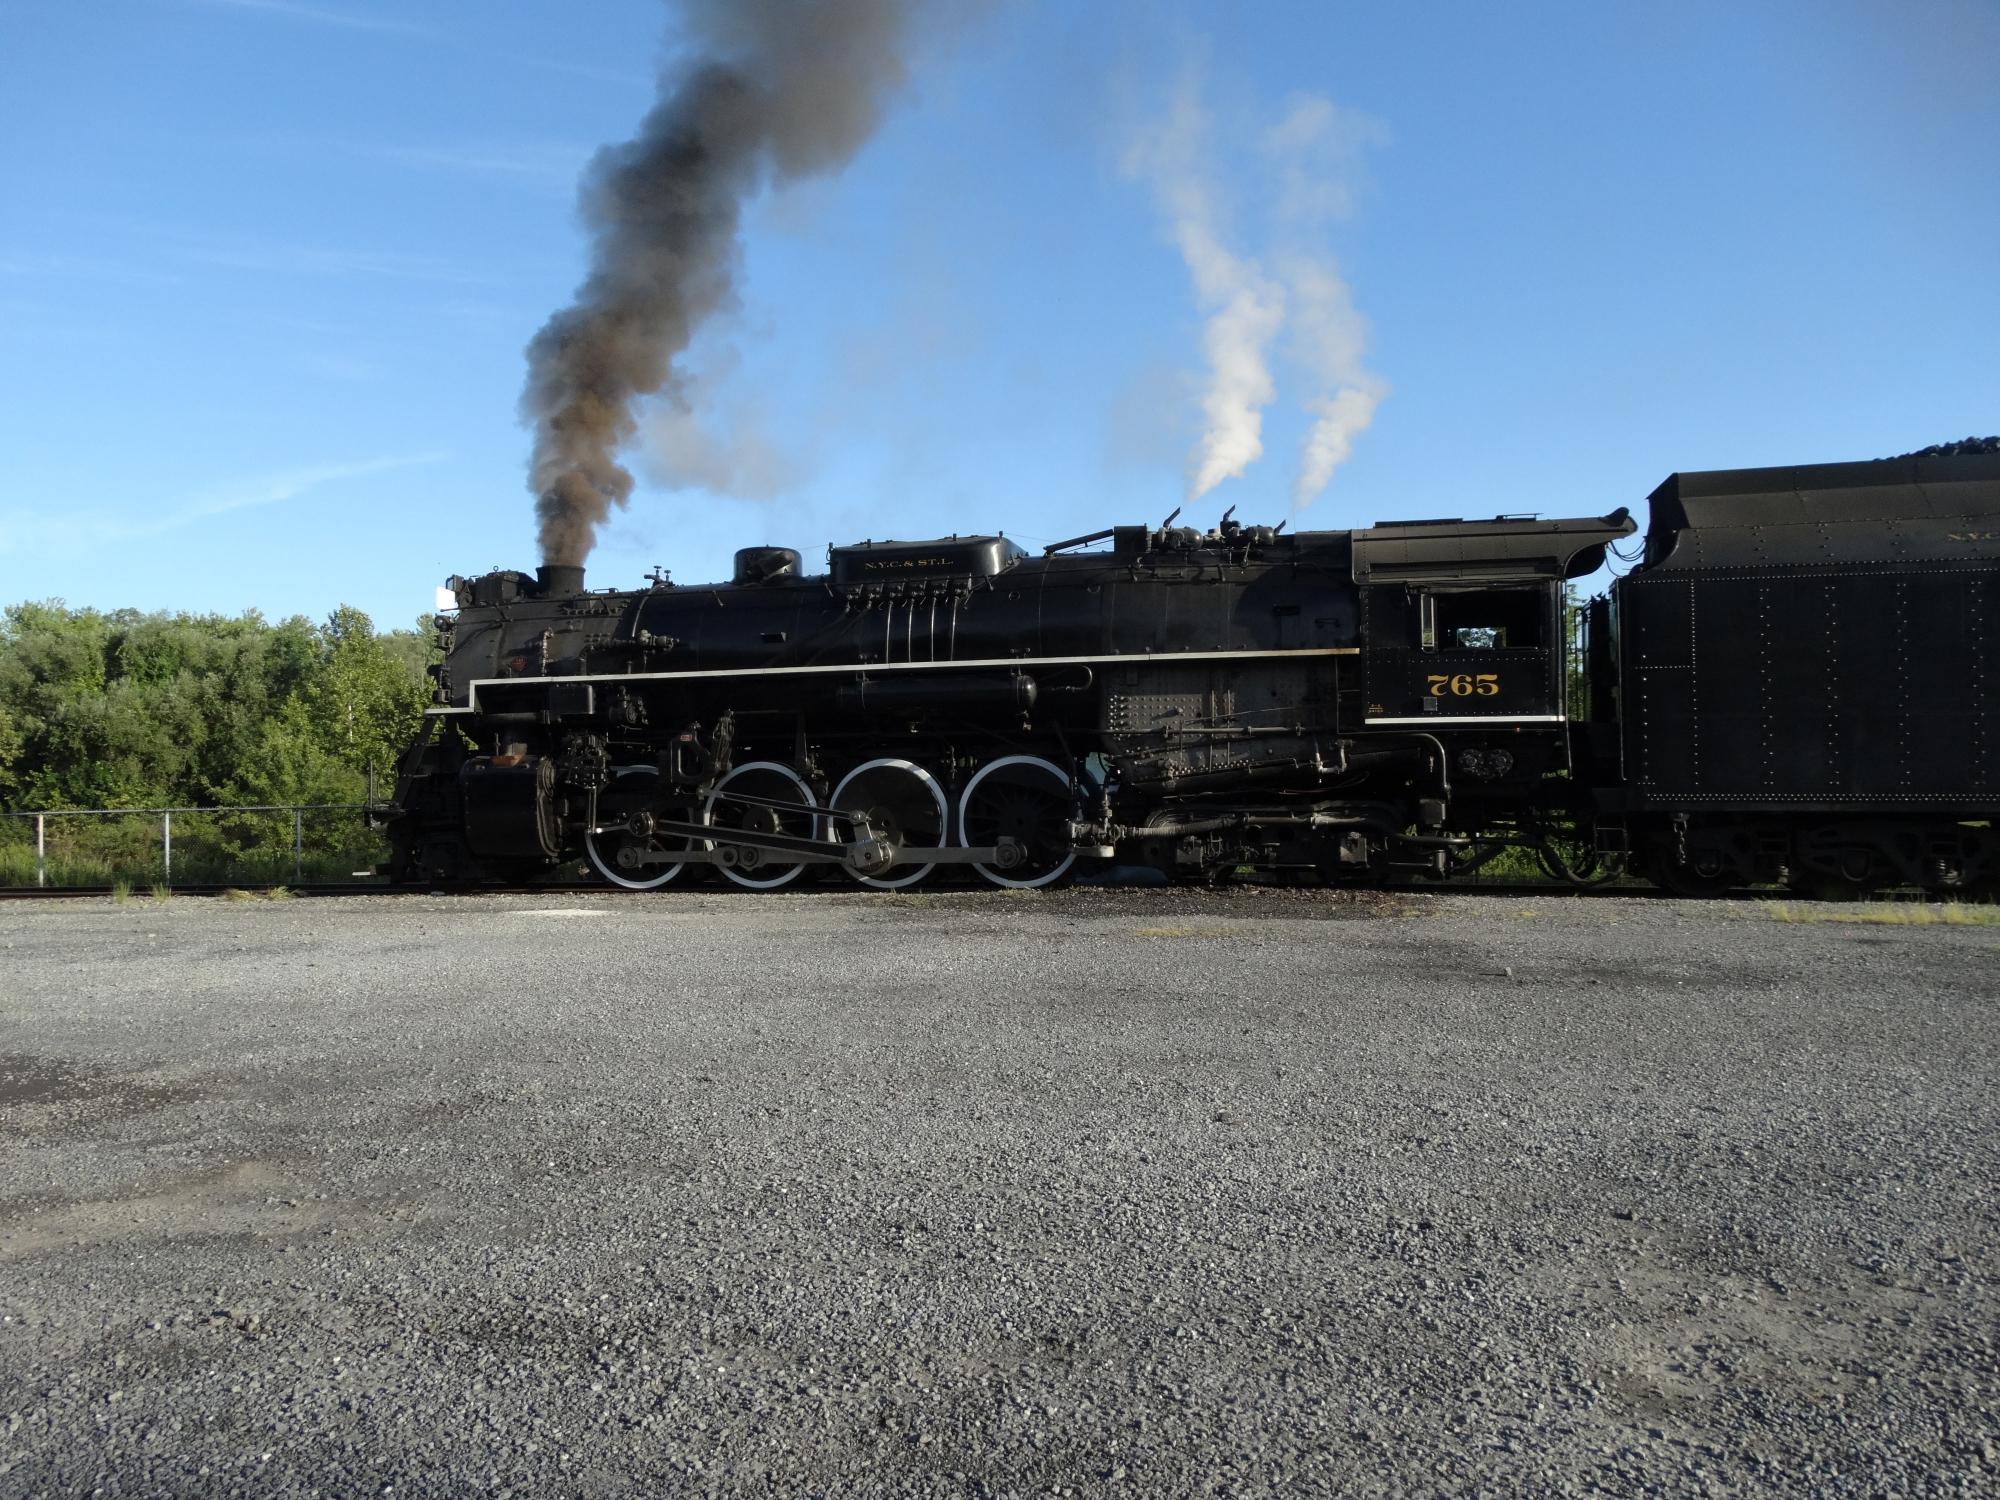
121	891
209	849
1912	914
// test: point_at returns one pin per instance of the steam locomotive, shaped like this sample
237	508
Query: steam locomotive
1794	684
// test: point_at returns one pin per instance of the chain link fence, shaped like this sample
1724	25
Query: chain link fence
300	843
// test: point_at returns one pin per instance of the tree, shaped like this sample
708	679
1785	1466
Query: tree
130	709
365	701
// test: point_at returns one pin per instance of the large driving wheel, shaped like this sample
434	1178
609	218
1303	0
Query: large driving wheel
905	807
1026	799
628	852
757	869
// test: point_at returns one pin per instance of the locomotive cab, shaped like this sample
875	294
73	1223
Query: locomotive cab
1452	653
1462	636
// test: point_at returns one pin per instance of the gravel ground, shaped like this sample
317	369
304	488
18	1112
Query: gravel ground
1098	1193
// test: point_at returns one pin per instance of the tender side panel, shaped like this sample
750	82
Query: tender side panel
1780	689
1656	627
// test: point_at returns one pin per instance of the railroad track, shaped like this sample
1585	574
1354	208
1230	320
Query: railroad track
343	888
380	888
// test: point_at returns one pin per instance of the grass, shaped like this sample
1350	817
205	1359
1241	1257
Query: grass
1909	914
142	870
209	849
121	891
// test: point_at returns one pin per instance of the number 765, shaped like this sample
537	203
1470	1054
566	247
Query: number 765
1465	684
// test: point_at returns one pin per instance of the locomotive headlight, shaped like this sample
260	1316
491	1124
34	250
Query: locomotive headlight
1500	762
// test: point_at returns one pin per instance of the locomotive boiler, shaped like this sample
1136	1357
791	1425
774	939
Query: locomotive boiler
1333	703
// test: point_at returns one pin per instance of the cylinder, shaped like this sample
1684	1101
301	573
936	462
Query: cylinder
509	803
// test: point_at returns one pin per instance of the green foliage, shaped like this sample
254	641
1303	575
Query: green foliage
1576	663
124	709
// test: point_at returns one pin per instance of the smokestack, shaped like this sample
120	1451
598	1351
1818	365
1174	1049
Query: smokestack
768	91
560	578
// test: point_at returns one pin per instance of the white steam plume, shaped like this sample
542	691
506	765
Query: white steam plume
1245	308
1318	147
1328	340
1314	152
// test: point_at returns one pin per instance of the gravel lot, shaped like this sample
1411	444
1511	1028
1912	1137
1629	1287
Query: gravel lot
1095	1193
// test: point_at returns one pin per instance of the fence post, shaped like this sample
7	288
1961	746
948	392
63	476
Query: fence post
166	849
298	843
41	850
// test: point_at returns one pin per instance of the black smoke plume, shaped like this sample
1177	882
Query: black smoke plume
761	91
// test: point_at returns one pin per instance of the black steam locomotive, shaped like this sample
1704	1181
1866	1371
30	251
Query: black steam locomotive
1793	685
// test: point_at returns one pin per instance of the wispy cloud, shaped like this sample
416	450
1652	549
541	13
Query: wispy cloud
320	15
548	164
285	259
144	248
82	268
622	76
41	531
357	20
271	489
341	367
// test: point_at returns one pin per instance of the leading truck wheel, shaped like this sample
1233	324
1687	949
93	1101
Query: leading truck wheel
627	852
771	780
905	808
1026	799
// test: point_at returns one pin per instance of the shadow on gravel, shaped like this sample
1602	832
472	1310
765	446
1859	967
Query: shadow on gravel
26	1080
1165	902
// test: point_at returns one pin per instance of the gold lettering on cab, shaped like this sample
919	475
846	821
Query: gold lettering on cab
1464	684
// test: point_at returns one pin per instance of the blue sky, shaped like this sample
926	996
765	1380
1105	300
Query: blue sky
267	270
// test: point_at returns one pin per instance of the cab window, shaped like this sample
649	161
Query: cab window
1491	620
